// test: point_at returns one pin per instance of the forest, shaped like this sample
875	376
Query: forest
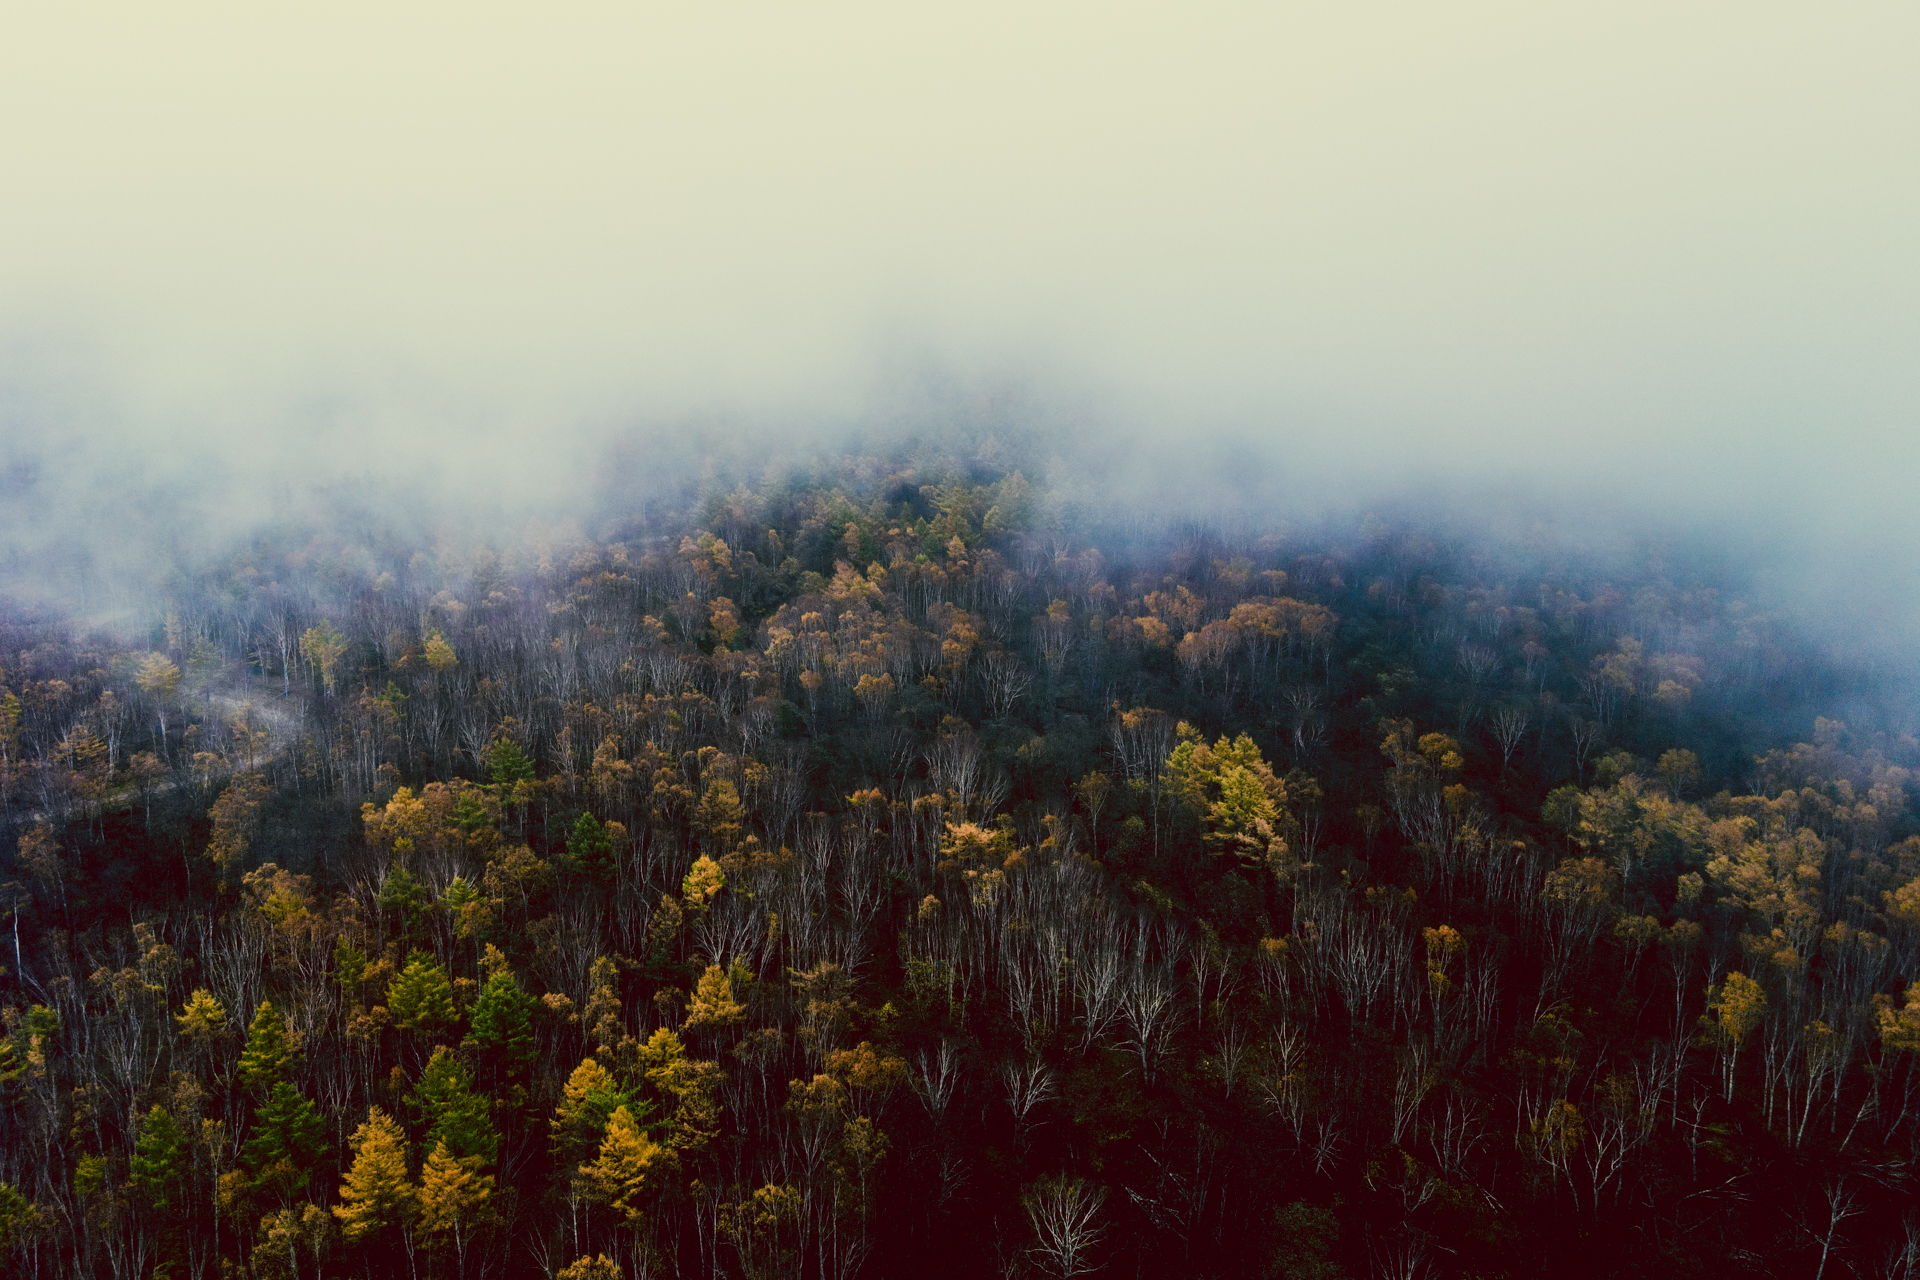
884	866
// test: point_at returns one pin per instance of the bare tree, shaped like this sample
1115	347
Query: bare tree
1063	1213
1510	720
1007	681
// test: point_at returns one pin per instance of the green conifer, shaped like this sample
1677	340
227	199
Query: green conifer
159	1158
452	1113
287	1141
268	1057
502	1028
421	998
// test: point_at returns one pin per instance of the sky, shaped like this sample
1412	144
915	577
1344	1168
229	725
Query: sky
1664	252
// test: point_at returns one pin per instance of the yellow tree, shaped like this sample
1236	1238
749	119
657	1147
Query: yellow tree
695	1084
586	1106
455	1199
377	1195
439	654
203	1022
1735	1008
324	646
1229	786
157	677
235	815
629	1166
713	1006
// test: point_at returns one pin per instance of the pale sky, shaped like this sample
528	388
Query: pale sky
1629	239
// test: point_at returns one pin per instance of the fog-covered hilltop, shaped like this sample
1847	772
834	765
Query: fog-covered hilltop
903	863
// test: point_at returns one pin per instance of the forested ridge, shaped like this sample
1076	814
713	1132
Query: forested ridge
889	868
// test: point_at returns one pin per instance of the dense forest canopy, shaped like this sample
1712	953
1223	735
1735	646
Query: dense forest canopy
888	867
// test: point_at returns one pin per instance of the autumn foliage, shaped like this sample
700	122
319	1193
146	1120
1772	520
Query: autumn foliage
884	872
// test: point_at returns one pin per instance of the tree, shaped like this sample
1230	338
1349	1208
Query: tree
502	1029
235	815
703	880
629	1166
454	1198
323	646
1302	1252
439	654
586	1106
1735	1008
421	998
287	1140
453	1115
507	765
1680	770
160	1153
405	899
158	678
591	849
695	1085
713	1006
1062	1212
377	1195
40	855
1229	786
268	1056
284	1235
16	1216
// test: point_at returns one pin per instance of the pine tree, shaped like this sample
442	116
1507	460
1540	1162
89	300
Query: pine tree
159	1160
287	1140
267	1058
502	1028
591	849
601	1016
12	1067
377	1194
453	1114
405	899
421	998
507	765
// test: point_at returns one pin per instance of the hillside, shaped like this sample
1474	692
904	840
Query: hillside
887	868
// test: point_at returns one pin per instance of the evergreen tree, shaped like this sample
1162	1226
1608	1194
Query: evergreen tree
268	1057
453	1115
502	1029
508	765
288	1138
713	1006
405	899
202	1018
591	849
421	998
12	1067
471	819
16	1215
159	1160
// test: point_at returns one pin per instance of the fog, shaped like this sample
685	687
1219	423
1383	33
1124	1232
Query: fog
1638	261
